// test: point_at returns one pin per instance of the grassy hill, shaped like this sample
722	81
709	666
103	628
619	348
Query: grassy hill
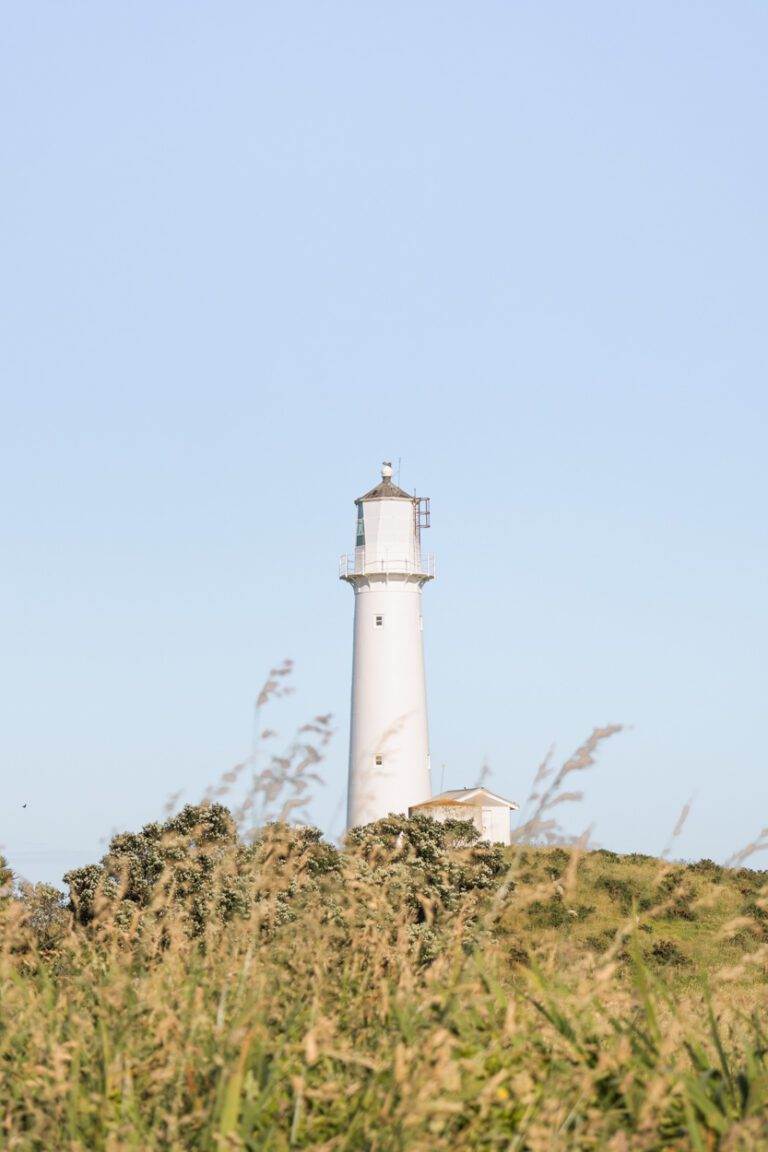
417	991
695	924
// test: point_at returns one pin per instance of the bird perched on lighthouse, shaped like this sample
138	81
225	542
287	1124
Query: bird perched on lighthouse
389	741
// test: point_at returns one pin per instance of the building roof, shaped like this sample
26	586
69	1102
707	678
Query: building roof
386	490
473	797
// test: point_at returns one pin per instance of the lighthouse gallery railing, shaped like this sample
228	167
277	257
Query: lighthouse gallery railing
357	566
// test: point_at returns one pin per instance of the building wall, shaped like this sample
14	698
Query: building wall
492	822
496	824
390	537
443	812
389	701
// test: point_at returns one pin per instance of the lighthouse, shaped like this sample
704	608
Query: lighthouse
389	741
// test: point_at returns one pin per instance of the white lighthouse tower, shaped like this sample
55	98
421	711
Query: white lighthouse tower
389	741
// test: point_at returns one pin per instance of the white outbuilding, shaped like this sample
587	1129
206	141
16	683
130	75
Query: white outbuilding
488	812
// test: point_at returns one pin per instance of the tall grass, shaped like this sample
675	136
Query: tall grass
215	986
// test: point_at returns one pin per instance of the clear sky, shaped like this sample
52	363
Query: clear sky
247	251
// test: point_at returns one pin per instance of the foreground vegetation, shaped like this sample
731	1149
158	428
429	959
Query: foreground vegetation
417	991
235	982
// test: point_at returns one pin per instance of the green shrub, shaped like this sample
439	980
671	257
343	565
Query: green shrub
550	913
677	895
757	911
708	868
518	954
607	854
584	911
620	889
667	952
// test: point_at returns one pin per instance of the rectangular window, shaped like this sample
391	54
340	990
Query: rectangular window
379	760
379	621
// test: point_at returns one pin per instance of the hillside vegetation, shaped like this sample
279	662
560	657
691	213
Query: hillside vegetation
690	923
417	990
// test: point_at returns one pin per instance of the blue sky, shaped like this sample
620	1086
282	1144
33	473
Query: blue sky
248	252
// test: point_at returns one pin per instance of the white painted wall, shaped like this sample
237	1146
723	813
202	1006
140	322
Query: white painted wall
389	700
492	822
495	824
390	539
444	812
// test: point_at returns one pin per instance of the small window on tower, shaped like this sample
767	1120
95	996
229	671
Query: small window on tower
379	621
379	760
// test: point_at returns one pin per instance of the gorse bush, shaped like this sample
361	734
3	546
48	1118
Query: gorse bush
667	952
192	864
219	983
620	889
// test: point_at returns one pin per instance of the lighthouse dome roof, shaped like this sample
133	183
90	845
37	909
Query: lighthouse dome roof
386	489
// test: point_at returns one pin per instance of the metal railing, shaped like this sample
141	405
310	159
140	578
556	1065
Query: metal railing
360	566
